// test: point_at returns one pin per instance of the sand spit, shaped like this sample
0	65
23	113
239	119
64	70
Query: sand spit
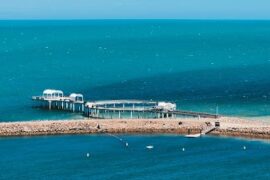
229	126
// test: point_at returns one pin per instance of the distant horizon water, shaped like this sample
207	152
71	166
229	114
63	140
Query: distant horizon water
135	19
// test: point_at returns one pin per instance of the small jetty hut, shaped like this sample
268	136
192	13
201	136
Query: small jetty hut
55	99
52	94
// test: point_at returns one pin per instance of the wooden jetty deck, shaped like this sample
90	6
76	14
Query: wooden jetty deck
195	114
55	99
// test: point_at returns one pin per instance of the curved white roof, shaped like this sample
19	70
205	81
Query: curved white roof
75	95
51	91
166	105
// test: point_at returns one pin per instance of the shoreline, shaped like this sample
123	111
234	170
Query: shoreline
229	126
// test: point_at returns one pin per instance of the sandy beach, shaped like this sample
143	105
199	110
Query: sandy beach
229	126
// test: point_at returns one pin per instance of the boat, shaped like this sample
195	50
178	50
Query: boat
193	135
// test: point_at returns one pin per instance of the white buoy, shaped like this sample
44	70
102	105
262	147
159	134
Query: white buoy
87	155
183	149
126	144
150	147
244	147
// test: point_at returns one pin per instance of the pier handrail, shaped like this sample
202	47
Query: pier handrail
123	101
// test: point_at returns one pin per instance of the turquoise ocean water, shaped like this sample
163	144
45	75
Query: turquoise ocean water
197	64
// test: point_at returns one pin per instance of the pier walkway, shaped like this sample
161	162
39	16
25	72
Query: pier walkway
208	129
110	109
204	131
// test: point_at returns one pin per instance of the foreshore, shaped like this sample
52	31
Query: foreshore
229	126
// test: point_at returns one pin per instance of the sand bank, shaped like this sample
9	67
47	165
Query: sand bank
229	126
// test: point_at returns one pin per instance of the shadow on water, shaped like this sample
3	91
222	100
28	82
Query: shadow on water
235	85
247	82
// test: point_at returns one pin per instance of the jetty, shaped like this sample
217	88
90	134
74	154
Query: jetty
113	109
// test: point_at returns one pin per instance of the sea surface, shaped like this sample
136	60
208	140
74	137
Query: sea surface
105	157
197	64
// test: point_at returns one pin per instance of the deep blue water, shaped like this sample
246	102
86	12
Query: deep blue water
198	64
58	157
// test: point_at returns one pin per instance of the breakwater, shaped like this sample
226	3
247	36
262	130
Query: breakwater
228	127
93	126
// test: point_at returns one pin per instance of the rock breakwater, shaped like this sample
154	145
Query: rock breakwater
228	127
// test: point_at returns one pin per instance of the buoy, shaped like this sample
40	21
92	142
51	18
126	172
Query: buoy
183	149
126	144
87	155
244	147
150	147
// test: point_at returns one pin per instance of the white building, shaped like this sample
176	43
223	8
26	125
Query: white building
52	94
166	106
76	97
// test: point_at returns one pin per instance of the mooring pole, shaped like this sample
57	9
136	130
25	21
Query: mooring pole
216	110
50	105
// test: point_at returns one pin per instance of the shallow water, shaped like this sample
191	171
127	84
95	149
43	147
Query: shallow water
198	64
66	157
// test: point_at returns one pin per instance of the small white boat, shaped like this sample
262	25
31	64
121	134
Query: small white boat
150	147
193	135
